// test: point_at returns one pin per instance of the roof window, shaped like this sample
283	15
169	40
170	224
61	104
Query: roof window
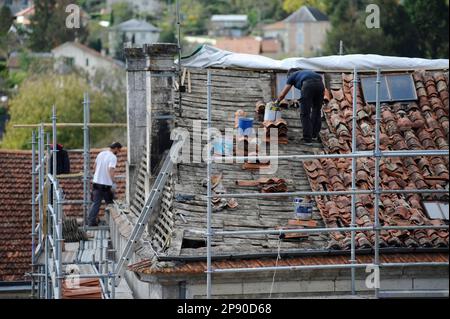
437	210
394	88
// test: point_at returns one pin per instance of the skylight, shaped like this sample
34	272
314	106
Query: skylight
394	88
437	210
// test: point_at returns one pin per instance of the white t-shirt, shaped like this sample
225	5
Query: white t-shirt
105	160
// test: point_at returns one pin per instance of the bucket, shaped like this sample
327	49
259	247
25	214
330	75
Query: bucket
245	127
303	210
272	112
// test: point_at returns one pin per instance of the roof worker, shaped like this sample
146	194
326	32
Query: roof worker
103	182
312	88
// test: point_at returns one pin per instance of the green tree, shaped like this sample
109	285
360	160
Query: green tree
121	11
396	35
34	102
6	19
431	19
48	25
293	5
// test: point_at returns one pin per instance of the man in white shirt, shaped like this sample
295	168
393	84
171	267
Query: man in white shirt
103	182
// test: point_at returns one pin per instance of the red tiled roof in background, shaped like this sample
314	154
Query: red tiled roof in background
199	267
405	126
280	25
15	207
270	46
248	45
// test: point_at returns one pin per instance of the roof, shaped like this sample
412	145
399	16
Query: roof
208	56
136	26
248	45
424	126
200	267
306	14
23	16
15	208
280	25
90	51
187	237
229	17
270	46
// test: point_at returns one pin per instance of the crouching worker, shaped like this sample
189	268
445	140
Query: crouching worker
103	183
312	88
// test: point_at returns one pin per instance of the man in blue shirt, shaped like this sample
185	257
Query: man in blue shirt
311	85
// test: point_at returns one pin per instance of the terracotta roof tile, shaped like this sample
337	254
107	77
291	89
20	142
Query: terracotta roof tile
404	127
247	45
199	267
15	207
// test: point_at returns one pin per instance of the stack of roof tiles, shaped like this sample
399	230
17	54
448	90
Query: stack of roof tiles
405	126
86	289
15	207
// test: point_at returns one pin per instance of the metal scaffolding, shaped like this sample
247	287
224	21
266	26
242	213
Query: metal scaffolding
47	214
354	155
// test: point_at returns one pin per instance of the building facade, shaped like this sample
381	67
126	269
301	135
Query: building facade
135	32
73	54
303	33
232	26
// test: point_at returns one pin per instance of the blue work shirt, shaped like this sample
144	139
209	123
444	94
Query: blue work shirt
296	79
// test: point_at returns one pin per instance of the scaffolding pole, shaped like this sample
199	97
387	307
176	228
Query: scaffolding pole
209	192
33	208
309	157
354	150
322	230
377	176
86	156
333	193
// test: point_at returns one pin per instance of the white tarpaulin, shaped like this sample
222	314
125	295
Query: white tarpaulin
208	56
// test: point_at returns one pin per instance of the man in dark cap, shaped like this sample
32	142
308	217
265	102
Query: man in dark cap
311	85
103	182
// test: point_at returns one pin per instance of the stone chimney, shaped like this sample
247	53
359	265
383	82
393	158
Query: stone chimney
160	100
136	114
150	103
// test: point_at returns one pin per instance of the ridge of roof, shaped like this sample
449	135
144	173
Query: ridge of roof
307	14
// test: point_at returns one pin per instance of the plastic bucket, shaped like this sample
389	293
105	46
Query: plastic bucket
302	210
272	113
245	126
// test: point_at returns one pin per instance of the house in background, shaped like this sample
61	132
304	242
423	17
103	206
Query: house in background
302	33
233	26
23	17
74	54
148	6
16	5
136	32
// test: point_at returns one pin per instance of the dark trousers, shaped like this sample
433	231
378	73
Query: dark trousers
311	108
99	193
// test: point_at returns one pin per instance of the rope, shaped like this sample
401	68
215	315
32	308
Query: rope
276	266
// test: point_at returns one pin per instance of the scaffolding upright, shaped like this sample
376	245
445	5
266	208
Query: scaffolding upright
376	228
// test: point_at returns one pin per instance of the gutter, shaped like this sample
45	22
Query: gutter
14	286
302	253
